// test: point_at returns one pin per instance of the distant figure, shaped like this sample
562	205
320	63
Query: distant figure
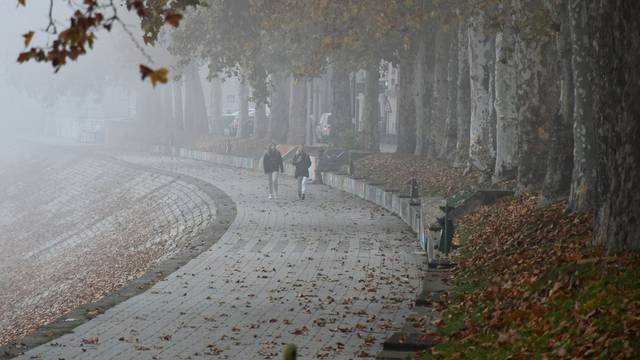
302	162
227	146
414	188
272	163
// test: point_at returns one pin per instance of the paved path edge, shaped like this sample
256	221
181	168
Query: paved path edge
225	215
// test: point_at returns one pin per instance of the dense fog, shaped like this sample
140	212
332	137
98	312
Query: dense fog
365	179
34	98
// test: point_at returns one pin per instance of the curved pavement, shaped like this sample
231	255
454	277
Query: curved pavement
75	227
333	274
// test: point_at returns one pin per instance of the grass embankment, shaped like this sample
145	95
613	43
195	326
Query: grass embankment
530	285
435	177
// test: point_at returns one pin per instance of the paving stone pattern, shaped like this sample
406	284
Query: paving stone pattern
73	228
334	274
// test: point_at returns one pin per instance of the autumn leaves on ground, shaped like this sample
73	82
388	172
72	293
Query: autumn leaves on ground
529	285
528	282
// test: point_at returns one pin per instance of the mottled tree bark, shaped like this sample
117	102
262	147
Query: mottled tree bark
279	120
440	92
583	182
451	125
616	26
481	67
423	92
371	111
557	181
195	110
297	111
537	100
505	107
342	129
464	98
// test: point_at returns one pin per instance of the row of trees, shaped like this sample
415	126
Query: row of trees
541	92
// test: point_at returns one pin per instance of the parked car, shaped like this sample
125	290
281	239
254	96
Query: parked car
323	127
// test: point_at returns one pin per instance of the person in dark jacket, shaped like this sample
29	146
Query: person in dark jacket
302	162
272	163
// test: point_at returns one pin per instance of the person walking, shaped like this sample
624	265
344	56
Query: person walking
272	163
302	162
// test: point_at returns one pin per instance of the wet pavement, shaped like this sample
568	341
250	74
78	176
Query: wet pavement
75	227
334	274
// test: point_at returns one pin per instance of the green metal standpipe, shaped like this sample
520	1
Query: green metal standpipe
447	231
290	352
446	228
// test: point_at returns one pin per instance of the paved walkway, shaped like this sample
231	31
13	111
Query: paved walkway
332	273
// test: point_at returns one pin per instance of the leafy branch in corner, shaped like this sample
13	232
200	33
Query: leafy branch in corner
92	16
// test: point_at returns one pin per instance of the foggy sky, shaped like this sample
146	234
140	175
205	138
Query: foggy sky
32	90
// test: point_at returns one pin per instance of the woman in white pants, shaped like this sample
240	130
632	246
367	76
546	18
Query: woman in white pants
302	162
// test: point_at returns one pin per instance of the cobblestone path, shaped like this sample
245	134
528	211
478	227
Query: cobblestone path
76	227
332	273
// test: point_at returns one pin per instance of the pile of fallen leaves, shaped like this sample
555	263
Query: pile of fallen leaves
530	285
435	177
248	147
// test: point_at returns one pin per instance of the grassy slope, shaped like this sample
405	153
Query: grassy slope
529	285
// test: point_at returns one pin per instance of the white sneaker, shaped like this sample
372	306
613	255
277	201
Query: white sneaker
270	196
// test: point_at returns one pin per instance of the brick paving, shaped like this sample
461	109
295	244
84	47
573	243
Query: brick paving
333	274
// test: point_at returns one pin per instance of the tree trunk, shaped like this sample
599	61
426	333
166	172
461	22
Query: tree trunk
617	117
260	121
505	107
406	106
371	110
440	92
297	111
451	125
481	66
308	119
583	180
279	121
424	65
557	181
217	111
341	130
178	105
537	94
149	107
167	108
464	98
195	107
243	110
317	84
